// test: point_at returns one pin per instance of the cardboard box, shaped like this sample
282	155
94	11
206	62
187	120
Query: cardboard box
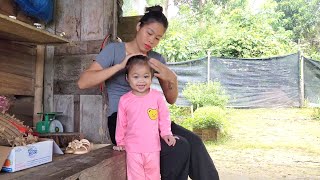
23	157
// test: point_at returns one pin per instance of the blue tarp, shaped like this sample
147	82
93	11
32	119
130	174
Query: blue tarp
40	9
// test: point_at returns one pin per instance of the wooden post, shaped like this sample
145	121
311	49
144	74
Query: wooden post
301	79
38	88
115	20
48	79
208	68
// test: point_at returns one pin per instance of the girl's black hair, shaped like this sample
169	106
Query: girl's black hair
154	14
138	59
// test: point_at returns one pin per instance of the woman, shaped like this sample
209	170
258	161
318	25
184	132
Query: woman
189	156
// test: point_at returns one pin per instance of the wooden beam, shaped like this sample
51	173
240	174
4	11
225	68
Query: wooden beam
38	88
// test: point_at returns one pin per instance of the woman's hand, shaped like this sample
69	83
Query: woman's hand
125	60
167	79
119	148
162	71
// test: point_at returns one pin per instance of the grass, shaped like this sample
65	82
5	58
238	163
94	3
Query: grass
269	144
289	129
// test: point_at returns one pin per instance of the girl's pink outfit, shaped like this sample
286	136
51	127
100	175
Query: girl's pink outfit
140	118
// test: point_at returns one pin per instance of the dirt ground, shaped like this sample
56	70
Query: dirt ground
269	144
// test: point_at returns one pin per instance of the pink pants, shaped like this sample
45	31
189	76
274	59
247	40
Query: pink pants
143	166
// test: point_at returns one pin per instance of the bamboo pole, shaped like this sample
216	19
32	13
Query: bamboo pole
38	88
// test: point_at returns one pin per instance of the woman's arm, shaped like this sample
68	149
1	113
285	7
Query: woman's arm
95	75
167	79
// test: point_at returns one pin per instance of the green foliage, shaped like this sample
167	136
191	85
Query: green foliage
178	113
205	94
209	117
302	17
226	29
230	28
316	113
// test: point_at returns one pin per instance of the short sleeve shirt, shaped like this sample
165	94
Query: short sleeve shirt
116	86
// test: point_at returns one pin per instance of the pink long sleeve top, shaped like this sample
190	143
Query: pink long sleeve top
140	118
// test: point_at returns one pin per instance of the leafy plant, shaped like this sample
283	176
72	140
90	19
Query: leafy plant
178	113
209	117
316	113
205	94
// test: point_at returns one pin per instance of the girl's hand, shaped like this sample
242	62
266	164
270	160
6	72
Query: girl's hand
162	71
170	140
119	148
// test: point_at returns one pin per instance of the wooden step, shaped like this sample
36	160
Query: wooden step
103	163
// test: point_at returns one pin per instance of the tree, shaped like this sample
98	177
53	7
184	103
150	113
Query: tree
226	31
302	17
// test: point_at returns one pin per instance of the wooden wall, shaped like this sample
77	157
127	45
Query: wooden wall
17	67
127	27
17	72
85	23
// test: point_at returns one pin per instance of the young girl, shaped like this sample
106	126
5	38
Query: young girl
142	113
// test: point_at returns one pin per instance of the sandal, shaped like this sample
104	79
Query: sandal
71	147
78	147
84	146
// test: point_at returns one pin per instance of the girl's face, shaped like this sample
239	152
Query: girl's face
140	78
149	35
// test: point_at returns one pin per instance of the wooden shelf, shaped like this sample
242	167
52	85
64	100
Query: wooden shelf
15	30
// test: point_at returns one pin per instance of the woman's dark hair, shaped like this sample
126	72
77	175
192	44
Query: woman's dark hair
138	59
154	14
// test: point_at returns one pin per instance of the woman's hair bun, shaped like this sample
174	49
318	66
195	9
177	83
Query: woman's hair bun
156	8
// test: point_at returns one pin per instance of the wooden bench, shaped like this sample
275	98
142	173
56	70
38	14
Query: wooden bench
102	163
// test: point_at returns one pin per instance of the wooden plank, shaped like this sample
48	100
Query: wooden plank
7	7
48	80
79	48
9	46
68	15
71	87
38	88
15	30
16	85
100	164
63	139
92	20
108	17
64	104
76	100
17	64
127	26
93	122
67	72
22	108
68	67
75	48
